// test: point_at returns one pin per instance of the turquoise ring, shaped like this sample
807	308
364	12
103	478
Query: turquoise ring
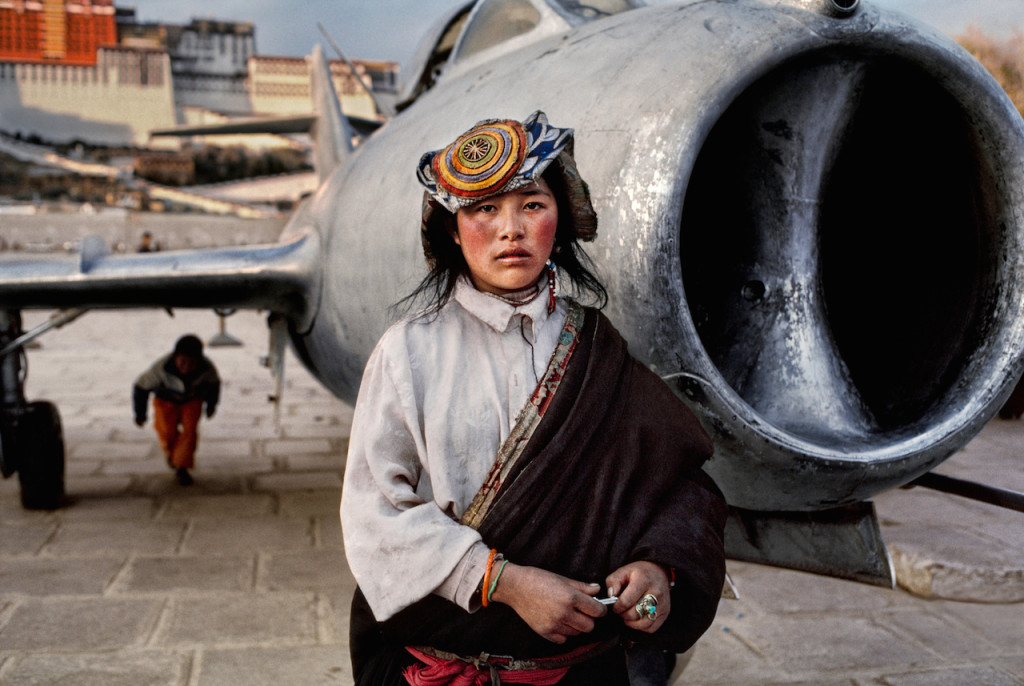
647	607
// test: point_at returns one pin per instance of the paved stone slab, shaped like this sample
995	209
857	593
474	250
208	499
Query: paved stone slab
1000	624
829	645
110	506
954	676
21	536
301	446
216	535
329	529
96	483
960	566
720	658
225	505
952	547
1013	664
117	537
85	429
305	665
110	468
783	591
149	668
302	481
86	625
900	508
41	576
76	468
230	429
227	619
335	608
187	574
314	463
1004	534
167	493
325	428
942	633
214	451
307	503
317	570
107	450
241	464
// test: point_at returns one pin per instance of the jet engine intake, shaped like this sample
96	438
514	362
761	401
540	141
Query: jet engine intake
851	252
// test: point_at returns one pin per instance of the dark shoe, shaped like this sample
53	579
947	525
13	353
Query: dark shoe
184	478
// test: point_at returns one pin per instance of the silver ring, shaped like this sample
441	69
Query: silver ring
647	607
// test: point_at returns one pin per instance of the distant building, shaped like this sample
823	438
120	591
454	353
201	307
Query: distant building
167	167
118	100
66	32
281	85
63	63
209	60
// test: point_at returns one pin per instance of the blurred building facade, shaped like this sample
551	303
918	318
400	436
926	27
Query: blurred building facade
87	70
66	32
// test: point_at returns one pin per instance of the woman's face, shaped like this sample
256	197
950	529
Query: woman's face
507	239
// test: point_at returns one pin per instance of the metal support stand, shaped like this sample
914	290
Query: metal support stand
223	338
12	377
274	361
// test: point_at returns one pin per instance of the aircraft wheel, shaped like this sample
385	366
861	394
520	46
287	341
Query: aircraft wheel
39	443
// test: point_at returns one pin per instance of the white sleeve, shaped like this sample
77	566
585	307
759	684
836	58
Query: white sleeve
400	545
152	378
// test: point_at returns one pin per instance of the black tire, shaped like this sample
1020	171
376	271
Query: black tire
39	442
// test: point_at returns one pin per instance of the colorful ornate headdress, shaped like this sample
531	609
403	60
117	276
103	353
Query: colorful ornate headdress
500	155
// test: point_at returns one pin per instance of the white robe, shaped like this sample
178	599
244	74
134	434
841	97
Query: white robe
440	394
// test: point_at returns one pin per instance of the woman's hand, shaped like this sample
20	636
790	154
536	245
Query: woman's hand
633	582
552	605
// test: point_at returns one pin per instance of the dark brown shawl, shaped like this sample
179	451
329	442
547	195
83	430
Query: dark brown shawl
611	475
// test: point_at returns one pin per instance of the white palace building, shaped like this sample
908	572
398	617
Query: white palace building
86	70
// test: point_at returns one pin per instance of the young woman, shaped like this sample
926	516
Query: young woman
522	499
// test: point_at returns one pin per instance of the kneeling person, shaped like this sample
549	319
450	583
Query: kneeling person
181	382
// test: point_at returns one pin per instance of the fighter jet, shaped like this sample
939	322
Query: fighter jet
810	226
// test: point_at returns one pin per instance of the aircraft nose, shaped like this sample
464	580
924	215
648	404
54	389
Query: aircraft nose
781	354
847	260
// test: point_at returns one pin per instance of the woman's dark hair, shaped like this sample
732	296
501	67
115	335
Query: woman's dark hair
445	263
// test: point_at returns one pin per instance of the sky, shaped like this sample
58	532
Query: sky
391	29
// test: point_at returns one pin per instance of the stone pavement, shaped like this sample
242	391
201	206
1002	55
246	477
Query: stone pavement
241	578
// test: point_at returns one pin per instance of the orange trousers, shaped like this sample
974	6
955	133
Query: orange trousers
177	426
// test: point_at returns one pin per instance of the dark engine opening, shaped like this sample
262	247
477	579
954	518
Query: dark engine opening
882	235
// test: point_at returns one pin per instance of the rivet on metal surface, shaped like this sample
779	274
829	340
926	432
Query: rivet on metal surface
753	290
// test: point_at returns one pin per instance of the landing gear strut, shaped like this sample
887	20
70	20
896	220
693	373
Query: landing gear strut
31	438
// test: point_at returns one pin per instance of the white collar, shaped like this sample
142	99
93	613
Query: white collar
497	313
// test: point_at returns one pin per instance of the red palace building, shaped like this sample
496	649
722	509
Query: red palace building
56	31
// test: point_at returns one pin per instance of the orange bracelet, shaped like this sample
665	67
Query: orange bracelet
487	577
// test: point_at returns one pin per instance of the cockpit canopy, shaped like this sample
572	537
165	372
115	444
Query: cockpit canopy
480	31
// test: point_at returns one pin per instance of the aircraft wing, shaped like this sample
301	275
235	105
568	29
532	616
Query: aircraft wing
278	125
280	277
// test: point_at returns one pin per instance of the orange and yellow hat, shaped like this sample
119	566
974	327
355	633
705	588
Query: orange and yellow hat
500	155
